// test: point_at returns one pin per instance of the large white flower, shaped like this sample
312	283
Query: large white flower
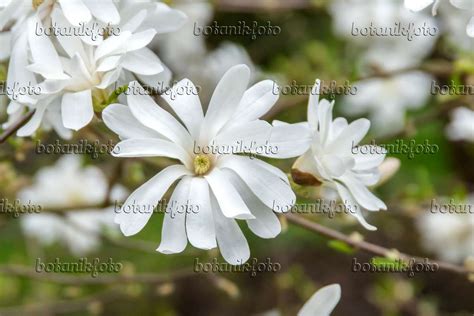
386	99
462	125
67	184
333	161
468	5
448	233
223	186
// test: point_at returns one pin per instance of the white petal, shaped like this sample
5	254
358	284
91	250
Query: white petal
463	4
173	233
266	223
368	156
164	19
139	40
227	196
325	119
312	112
199	219
120	119
352	206
323	302
272	191
280	174
142	61
417	5
151	147
349	137
232	243
362	195
247	137
33	124
75	11
289	140
145	197
103	10
224	100
109	63
76	109
5	47
112	45
470	27
151	115
71	44
256	101
44	54
184	100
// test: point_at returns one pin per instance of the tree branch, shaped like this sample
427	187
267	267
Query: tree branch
16	126
366	246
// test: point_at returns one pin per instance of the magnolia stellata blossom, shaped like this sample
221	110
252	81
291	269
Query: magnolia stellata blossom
66	185
462	125
223	185
335	158
468	5
77	73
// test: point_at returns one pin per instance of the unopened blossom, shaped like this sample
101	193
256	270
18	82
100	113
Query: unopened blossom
336	159
225	186
461	126
67	184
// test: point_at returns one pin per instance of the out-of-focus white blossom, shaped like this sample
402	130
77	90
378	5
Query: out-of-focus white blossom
387	99
465	5
462	125
67	184
449	234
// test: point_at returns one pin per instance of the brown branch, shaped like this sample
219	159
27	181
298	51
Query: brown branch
367	246
16	126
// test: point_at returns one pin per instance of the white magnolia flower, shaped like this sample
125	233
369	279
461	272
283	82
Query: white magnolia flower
335	160
449	234
468	5
386	99
67	184
85	73
462	125
322	303
223	186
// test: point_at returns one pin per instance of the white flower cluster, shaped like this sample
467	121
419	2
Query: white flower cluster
73	52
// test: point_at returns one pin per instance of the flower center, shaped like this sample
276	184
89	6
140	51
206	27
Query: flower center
202	164
37	3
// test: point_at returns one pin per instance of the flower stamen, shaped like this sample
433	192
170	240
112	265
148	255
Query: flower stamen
36	4
202	164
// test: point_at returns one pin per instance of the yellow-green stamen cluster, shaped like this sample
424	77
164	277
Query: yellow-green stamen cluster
202	164
37	3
